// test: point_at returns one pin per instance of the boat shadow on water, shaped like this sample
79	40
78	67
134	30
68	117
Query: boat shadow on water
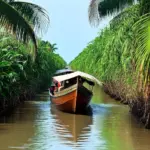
75	130
86	111
71	128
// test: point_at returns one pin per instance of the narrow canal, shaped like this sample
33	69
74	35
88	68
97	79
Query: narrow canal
35	125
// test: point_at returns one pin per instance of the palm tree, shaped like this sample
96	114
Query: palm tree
53	47
23	19
140	30
48	45
101	8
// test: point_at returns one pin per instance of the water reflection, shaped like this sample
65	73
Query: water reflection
17	129
71	127
36	125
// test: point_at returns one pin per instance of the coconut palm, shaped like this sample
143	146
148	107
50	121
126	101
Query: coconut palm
53	47
22	19
140	28
48	45
101	8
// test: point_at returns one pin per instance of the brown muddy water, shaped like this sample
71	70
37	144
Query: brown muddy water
36	125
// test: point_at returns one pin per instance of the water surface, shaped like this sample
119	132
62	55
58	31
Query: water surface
36	125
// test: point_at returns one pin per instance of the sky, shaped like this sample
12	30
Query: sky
69	26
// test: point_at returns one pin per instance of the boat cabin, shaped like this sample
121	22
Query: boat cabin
67	70
66	81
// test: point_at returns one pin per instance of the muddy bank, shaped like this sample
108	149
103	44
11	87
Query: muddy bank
141	110
115	96
138	107
8	105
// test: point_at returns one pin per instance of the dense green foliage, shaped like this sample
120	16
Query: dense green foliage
119	57
133	79
111	56
20	77
23	19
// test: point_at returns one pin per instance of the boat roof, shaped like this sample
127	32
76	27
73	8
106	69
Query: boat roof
76	74
62	71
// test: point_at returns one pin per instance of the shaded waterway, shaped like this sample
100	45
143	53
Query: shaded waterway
36	125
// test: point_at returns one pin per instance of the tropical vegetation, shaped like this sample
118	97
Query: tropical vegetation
20	77
119	55
23	19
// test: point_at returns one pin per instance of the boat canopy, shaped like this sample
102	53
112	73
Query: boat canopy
76	74
63	71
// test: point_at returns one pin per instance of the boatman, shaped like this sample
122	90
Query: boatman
58	85
52	88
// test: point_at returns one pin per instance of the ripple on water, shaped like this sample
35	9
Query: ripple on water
37	126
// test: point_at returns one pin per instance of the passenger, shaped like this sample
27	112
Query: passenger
57	86
52	88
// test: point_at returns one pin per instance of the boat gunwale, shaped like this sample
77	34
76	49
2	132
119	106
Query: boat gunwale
65	91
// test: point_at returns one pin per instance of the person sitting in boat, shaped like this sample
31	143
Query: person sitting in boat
52	88
57	86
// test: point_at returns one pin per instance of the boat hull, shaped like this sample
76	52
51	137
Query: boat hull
66	102
74	101
84	97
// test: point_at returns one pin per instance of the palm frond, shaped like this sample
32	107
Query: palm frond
101	8
35	14
93	12
130	13
14	23
142	31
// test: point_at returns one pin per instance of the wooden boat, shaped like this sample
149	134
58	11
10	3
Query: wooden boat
68	92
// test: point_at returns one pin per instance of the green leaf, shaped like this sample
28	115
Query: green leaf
16	24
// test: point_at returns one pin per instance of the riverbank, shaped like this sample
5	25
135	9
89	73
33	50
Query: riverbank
139	108
115	58
22	76
43	127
